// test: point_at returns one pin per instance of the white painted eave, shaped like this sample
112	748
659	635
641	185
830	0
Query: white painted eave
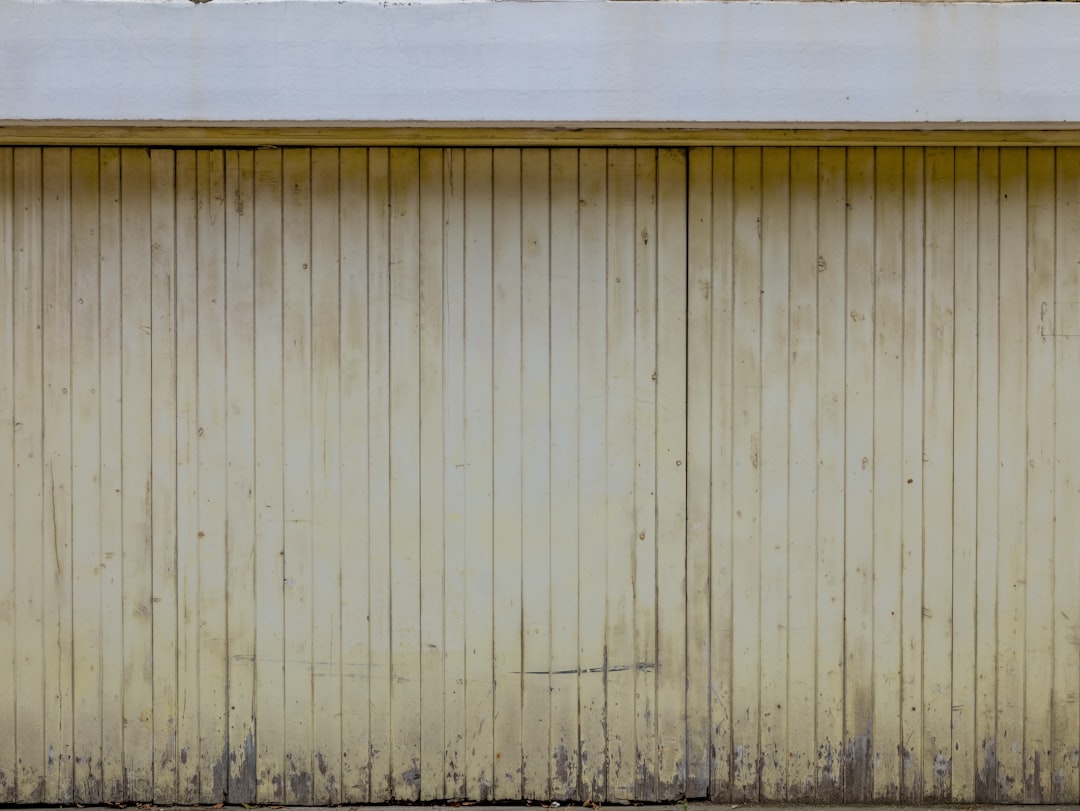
636	64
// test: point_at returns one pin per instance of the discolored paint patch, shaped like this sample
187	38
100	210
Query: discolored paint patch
1033	783
942	777
830	788
986	778
243	781
859	769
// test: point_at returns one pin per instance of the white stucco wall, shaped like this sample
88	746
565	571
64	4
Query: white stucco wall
538	63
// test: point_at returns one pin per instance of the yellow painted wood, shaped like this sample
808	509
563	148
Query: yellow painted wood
85	473
56	474
404	313
432	773
888	468
1039	546
965	472
1012	475
240	454
1065	709
537	599
645	552
592	529
163	473
802	477
269	564
507	494
773	463
8	595
564	663
832	322
367	474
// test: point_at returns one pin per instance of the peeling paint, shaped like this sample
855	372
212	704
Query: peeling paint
986	778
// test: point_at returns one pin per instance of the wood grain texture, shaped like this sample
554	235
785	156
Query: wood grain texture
348	475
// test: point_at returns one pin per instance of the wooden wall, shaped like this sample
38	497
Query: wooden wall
368	474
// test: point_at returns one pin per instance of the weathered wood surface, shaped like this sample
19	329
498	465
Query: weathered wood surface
357	475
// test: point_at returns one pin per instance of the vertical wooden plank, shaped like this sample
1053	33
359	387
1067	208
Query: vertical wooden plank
110	244
645	550
56	475
163	471
987	480
1066	554
404	311
671	470
699	461
536	540
859	480
269	480
911	586
719	293
353	376
938	476
240	454
565	574
8	597
29	467
592	471
965	472
773	552
802	477
508	495
297	458
746	477
832	322
454	462
432	463
326	476
479	605
1038	611
888	467
86	555
1012	474
187	480
212	478
619	475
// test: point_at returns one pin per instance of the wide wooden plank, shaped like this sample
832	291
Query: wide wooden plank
987	481
965	472
671	471
802	477
699	463
832	320
775	405
297	465
454	474
240	459
1039	541
8	596
646	728
911	572
432	462
1013	337
269	480
56	475
326	477
163	465
592	530
187	480
1066	554
537	599
508	495
353	391
859	479
85	476
563	664
746	475
888	467
479	484
405	496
